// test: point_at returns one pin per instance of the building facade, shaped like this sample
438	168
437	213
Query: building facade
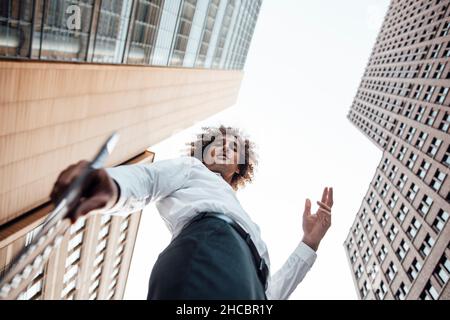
72	72
183	33
92	260
399	244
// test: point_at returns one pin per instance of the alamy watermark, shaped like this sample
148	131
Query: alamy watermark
74	17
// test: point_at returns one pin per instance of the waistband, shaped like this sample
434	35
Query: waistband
261	266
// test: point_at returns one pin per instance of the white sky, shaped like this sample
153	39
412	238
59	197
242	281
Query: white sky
302	73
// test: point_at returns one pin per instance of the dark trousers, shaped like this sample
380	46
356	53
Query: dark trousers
207	260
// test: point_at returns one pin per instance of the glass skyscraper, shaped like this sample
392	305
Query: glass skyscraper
182	33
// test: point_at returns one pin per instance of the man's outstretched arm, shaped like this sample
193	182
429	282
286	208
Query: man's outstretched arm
315	226
126	188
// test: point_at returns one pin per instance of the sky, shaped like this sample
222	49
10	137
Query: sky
303	69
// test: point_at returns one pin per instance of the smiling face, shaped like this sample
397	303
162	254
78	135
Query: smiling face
223	156
226	151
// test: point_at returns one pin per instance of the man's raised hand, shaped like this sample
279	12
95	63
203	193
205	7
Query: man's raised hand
316	225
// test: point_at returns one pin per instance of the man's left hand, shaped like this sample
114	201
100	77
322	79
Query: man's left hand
316	225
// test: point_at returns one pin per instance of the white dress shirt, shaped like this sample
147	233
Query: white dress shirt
183	187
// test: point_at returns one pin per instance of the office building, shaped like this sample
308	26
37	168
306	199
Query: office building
399	244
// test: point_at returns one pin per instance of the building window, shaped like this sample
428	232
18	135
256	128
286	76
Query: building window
376	208
364	290
353	256
442	270
381	291
355	230
411	160
377	181
441	219
393	231
431	117
418	91
393	200
393	172
402	153
436	49
101	246
401	292
391	272
426	246
349	244
401	129
371	197
402	250
58	41
421	139
70	274
73	258
427	70
103	232
445	123
446	157
365	257
358	272
384	190
423	169
385	165
434	147
76	241
410	134
429	93
414	269
442	95
447	50
382	253
439	70
112	31
393	147
375	238
429	293
438	180
413	228
384	219
369	225
105	219
373	271
145	30
362	215
401	182
402	213
412	192
78	225
425	204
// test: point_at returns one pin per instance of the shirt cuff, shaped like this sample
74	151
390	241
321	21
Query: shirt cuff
304	252
122	198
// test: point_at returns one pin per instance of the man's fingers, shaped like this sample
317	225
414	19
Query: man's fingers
324	195
324	206
66	177
307	211
324	216
88	205
330	197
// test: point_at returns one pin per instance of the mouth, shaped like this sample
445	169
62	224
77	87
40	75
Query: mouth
222	157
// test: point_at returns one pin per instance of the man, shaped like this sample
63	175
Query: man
216	250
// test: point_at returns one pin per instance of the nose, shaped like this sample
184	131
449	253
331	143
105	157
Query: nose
227	148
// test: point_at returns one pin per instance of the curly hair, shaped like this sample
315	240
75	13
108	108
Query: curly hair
247	154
